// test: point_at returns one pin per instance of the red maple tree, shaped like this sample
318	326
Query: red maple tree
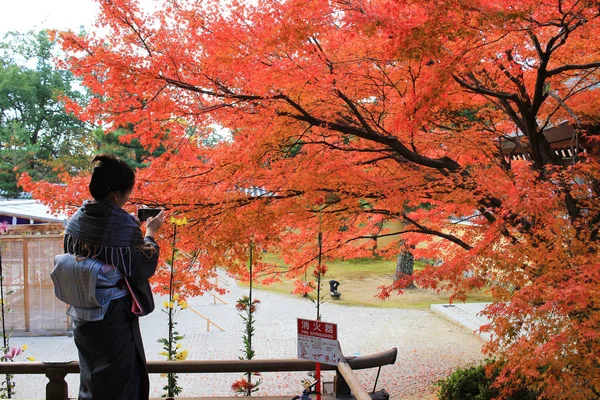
342	115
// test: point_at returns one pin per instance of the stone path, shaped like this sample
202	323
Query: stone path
429	347
467	315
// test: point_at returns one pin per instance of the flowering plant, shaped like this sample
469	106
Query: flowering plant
171	346
10	353
172	349
247	307
243	303
243	386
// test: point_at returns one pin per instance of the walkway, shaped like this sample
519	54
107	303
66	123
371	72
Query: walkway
429	347
467	315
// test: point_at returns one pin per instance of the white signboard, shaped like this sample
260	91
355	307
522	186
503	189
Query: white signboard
317	341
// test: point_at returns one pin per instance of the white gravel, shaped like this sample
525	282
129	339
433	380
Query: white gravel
429	347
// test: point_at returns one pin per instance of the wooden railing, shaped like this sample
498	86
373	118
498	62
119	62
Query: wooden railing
215	298
57	389
208	320
352	381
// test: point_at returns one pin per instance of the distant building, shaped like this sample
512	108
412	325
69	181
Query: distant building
562	139
26	211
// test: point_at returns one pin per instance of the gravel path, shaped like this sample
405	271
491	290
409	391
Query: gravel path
429	347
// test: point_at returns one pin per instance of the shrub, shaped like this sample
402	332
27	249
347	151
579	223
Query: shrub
474	384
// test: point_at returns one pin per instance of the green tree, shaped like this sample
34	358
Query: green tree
37	135
120	143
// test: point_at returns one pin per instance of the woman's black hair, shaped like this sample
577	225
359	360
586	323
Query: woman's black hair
111	174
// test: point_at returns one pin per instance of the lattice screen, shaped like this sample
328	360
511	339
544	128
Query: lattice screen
27	261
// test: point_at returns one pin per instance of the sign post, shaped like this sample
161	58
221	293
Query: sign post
317	341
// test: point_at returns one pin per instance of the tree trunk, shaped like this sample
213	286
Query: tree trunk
405	266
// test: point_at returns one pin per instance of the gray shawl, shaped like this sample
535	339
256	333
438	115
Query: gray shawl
100	229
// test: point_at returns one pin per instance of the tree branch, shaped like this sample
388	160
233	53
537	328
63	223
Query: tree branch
444	163
487	92
421	228
571	67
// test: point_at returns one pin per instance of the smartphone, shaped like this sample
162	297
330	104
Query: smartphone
145	213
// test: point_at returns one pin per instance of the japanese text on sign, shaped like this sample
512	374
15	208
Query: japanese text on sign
317	341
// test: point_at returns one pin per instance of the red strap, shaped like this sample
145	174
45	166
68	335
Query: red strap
135	305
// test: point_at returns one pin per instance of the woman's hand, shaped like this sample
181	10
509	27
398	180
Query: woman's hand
153	224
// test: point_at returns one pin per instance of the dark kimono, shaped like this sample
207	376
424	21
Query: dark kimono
111	353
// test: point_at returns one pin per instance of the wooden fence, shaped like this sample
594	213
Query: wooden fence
346	382
27	259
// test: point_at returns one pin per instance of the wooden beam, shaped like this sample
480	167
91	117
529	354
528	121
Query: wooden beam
36	228
208	320
207	366
8	238
326	397
215	298
26	285
351	379
218	278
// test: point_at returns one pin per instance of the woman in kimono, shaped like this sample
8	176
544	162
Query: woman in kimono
108	339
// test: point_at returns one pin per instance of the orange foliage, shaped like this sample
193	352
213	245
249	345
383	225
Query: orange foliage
342	115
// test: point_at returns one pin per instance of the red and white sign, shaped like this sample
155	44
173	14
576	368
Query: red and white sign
317	341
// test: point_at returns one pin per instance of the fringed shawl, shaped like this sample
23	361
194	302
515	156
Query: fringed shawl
102	230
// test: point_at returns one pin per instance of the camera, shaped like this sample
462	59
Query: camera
145	213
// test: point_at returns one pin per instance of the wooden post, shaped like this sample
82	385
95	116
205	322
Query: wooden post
352	381
208	320
56	388
340	387
215	298
26	284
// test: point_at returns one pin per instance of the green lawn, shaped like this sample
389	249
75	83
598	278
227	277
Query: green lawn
359	281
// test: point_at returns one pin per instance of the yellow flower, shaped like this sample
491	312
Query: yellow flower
182	304
31	358
168	304
176	296
178	346
163	375
178	221
24	347
164	353
182	356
